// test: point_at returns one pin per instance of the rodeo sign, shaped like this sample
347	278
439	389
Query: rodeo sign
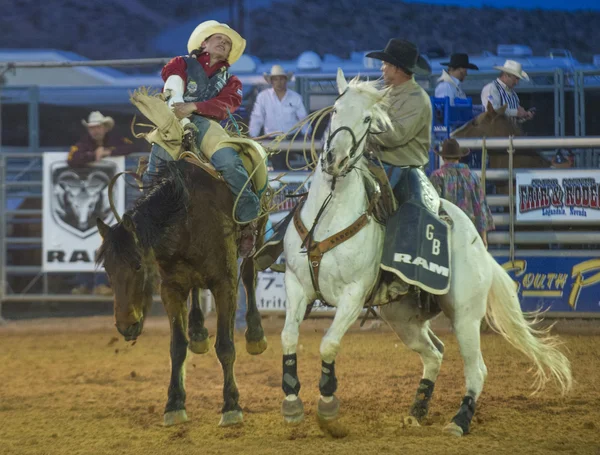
557	283
73	199
553	195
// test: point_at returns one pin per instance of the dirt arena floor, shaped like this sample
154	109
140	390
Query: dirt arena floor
70	386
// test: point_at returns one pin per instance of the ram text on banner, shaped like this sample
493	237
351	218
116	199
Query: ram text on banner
558	194
73	199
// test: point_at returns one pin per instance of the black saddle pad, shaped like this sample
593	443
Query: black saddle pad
417	248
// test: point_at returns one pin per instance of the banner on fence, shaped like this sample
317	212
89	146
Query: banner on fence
558	194
73	199
565	284
559	283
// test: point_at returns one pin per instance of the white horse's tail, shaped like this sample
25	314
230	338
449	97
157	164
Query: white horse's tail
504	315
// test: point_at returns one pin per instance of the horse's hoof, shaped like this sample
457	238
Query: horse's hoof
411	421
199	347
174	417
231	418
292	410
328	410
256	347
453	429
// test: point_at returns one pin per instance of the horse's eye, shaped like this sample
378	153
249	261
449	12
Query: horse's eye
367	119
334	111
138	266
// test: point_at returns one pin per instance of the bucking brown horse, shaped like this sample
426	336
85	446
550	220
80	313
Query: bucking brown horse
182	227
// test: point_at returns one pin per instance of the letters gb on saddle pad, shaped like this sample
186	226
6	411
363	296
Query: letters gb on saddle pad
417	242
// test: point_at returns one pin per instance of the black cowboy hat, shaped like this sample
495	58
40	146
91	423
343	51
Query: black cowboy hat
403	54
451	149
460	61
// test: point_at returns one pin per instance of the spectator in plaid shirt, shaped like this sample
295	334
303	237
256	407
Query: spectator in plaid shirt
456	183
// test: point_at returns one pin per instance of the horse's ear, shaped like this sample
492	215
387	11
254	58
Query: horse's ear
489	107
501	110
102	227
128	223
342	84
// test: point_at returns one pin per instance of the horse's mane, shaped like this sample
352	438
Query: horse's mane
163	205
371	89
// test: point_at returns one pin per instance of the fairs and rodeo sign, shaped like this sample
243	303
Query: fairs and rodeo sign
73	199
558	283
558	194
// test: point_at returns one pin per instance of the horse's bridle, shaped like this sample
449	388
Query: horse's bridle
355	145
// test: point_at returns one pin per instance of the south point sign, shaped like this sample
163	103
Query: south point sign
557	283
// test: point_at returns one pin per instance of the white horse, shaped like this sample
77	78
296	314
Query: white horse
347	274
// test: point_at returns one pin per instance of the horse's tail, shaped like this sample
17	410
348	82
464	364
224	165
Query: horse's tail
504	315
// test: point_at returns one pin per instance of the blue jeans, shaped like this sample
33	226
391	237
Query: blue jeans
226	160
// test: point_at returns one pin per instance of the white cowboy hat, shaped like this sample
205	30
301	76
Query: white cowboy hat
96	118
514	68
208	28
277	70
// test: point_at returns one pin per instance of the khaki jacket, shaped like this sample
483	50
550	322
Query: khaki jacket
409	142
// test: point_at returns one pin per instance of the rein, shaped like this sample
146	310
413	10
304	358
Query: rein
111	184
316	250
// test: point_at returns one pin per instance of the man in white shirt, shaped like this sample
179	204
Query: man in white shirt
277	109
501	91
449	82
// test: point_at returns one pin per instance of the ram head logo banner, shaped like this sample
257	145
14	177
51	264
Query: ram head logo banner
79	196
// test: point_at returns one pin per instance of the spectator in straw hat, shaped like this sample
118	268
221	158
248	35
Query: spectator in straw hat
455	182
451	79
502	91
277	109
99	141
203	91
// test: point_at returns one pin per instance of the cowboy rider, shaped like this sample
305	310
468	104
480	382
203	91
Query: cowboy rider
203	90
501	91
407	145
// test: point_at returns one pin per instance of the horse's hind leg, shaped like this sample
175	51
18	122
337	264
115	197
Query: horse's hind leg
292	408
197	333
174	300
256	342
225	293
414	331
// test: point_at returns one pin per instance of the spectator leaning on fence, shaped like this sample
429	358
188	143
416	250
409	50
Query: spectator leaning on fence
451	79
277	109
99	141
502	91
456	183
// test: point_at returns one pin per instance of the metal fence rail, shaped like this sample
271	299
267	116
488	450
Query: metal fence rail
498	239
